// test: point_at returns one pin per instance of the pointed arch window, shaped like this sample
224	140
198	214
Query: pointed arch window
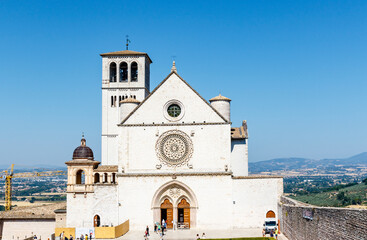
113	72
123	72
134	71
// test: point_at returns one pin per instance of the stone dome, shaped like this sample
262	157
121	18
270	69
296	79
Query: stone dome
83	151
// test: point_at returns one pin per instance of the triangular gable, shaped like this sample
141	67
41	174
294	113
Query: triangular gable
160	85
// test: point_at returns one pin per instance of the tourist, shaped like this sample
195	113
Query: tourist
71	237
203	236
82	237
34	237
155	227
263	232
62	236
147	230
165	226
276	233
197	236
272	233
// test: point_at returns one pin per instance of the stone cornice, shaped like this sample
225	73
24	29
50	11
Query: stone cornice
172	124
174	174
256	177
127	88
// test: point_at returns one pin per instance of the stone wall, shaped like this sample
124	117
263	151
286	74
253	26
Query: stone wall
322	222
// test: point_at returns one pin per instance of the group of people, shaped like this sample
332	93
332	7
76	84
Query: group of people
273	233
203	236
82	237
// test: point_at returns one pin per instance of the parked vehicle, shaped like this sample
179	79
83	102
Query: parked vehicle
270	225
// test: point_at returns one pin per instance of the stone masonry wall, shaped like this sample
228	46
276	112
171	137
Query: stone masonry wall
327	222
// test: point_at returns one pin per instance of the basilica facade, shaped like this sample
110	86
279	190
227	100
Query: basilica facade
166	154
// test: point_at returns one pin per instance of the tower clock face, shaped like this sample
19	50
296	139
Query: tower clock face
174	148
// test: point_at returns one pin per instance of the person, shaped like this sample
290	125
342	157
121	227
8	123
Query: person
71	237
147	230
197	236
263	232
86	236
34	237
203	236
90	235
272	233
276	233
62	236
155	227
82	237
165	226
159	229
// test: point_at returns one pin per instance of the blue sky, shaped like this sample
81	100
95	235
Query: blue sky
295	70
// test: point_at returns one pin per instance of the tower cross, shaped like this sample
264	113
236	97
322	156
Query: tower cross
127	42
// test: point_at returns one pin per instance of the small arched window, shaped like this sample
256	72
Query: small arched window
97	221
80	177
113	180
96	178
113	72
134	72
105	177
123	72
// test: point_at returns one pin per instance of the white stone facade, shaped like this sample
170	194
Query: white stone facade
173	155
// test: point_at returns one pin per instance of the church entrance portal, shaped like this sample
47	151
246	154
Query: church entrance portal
176	203
167	213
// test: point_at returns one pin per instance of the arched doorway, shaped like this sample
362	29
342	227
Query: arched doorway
270	214
183	214
97	221
167	212
175	191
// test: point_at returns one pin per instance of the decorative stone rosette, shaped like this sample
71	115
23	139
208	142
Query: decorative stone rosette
174	148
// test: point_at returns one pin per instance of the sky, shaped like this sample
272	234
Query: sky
295	70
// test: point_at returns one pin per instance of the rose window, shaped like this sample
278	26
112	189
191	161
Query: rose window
174	148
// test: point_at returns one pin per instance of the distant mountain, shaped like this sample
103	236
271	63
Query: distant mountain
287	164
40	167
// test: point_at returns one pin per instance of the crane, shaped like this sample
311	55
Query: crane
9	175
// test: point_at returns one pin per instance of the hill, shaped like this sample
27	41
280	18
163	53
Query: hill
289	164
338	196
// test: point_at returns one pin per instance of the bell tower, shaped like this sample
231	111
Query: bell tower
125	74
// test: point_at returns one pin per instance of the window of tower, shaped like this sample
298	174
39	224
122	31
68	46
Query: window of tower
80	177
113	72
134	71
96	178
123	72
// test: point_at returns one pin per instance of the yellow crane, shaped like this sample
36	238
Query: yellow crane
9	175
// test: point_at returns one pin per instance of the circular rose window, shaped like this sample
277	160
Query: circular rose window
174	148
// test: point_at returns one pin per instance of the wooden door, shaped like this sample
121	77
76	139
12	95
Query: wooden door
270	214
186	209
169	217
168	205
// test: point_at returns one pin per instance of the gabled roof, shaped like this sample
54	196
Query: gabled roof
159	85
126	52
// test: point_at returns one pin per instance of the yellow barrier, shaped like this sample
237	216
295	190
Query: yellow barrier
122	229
67	232
112	232
104	232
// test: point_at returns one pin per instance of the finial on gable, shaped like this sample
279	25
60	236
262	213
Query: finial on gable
174	69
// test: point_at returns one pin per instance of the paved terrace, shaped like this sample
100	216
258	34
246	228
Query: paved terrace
191	234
